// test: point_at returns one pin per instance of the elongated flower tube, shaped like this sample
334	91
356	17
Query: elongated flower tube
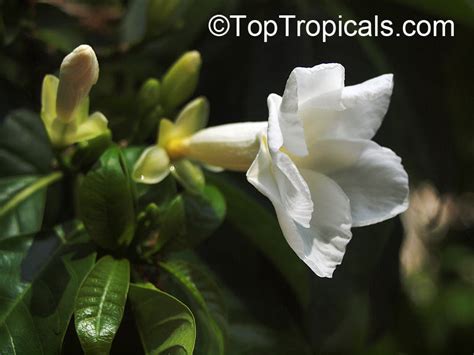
65	100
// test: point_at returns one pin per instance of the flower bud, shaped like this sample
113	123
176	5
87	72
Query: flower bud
181	80
149	96
79	71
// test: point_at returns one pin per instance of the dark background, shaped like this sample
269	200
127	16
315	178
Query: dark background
372	305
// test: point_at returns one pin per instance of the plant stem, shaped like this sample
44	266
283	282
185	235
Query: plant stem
30	190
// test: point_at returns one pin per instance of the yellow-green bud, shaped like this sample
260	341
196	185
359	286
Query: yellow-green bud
181	80
149	96
79	71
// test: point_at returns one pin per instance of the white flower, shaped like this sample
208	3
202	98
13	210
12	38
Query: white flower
319	167
314	160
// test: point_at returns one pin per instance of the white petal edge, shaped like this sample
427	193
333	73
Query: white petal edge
365	106
372	177
316	84
275	175
321	246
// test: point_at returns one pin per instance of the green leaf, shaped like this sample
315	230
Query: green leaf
89	151
261	228
204	213
100	304
165	325
173	223
24	145
202	290
107	202
22	201
39	279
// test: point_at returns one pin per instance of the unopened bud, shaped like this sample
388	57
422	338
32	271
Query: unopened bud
149	96
79	71
181	80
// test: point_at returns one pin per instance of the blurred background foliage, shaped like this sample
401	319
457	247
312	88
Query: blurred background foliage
403	288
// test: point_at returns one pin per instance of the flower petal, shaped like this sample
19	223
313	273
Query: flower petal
49	92
289	122
152	166
193	117
275	175
321	246
275	135
94	126
317	83
365	106
372	176
260	174
320	87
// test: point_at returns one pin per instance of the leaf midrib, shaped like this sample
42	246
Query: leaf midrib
102	299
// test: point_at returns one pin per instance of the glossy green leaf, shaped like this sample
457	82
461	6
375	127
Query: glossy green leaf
100	304
172	222
22	201
261	228
39	279
89	151
165	324
204	213
107	201
210	311
24	145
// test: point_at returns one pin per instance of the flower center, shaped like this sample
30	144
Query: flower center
177	148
